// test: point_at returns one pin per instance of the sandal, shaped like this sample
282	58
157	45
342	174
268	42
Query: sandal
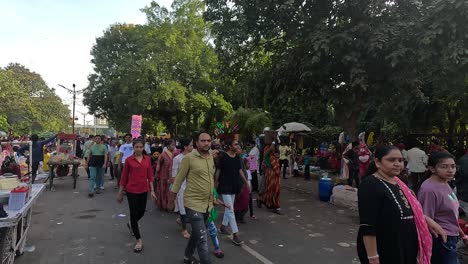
186	234
138	248
218	253
192	260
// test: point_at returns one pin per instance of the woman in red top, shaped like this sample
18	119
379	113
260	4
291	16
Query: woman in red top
137	178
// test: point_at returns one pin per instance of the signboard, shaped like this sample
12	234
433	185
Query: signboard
136	126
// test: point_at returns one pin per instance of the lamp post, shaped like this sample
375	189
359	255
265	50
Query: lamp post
74	92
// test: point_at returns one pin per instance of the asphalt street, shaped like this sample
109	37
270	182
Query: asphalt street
68	227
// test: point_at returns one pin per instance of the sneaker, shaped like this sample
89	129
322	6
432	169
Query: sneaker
236	240
102	187
219	253
222	230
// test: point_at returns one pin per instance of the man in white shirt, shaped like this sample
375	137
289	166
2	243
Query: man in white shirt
147	148
254	152
417	166
126	150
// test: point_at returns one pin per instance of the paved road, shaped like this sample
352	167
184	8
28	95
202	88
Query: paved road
70	228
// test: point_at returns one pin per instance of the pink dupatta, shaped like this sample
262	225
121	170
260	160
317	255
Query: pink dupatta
424	236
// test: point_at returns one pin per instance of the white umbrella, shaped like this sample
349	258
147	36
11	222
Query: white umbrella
293	127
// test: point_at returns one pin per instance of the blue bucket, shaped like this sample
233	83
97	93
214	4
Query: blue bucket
325	189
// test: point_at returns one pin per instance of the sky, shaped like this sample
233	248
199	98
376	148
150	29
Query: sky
54	37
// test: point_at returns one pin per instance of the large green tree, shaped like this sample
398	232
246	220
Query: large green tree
363	61
165	70
27	104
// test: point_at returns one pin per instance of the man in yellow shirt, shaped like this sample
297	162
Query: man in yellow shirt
285	152
197	168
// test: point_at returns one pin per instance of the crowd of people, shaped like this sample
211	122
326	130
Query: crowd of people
409	200
190	177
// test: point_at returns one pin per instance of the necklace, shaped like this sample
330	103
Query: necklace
402	217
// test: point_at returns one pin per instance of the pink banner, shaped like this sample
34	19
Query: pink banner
253	163
136	126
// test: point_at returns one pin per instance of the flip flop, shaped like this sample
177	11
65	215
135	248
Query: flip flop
192	260
186	234
138	249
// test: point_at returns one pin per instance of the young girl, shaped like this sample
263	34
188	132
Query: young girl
249	179
211	226
137	179
296	168
440	203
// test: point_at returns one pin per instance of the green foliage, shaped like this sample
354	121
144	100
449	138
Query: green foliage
367	61
27	104
165	70
251	122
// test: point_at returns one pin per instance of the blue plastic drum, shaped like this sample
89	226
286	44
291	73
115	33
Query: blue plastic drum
325	189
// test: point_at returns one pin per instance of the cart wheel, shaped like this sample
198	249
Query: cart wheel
6	245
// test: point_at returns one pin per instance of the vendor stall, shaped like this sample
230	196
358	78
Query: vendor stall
61	168
64	157
14	228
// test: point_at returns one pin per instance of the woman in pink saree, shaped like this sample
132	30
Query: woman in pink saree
163	178
393	228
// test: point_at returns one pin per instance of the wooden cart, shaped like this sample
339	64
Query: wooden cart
66	145
52	168
14	228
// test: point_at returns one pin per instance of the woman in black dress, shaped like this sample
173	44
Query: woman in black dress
393	229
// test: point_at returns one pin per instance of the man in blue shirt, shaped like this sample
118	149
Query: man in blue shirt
37	152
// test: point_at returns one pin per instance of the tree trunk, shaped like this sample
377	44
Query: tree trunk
348	116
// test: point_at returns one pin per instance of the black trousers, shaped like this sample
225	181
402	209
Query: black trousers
34	167
285	164
254	181
137	205
111	169
353	176
307	172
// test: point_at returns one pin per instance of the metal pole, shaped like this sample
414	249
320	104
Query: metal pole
74	98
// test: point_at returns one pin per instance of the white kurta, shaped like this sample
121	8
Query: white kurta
179	205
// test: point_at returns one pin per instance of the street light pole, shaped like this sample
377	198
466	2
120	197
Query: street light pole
74	99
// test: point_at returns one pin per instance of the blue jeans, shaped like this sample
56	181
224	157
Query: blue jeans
229	216
198	239
445	253
213	234
96	178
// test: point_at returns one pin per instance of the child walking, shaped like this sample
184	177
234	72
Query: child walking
211	226
249	180
296	168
